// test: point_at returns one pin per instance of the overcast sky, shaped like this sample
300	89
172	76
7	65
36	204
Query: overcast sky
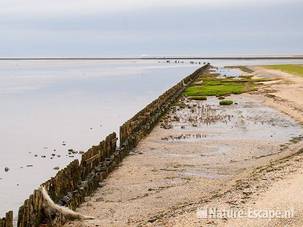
101	28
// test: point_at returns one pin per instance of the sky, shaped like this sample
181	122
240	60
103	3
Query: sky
134	28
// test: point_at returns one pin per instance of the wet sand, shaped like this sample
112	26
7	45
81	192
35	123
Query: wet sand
200	154
278	184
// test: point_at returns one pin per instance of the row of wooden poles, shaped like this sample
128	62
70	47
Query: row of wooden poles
79	179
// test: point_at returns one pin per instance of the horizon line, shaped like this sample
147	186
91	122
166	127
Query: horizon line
160	58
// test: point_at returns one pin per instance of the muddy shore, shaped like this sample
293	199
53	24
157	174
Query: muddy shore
202	154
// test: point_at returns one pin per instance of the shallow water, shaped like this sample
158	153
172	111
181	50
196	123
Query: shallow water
47	104
48	107
224	140
245	120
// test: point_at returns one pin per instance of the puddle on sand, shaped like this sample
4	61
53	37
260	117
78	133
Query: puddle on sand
247	119
225	140
227	72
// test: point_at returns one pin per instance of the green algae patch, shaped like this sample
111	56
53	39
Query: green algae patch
292	69
213	85
197	97
226	102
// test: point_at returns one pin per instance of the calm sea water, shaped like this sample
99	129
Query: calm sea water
48	107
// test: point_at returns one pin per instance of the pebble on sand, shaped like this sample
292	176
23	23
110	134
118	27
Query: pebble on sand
6	169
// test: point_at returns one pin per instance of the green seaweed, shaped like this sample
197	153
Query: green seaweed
212	85
198	97
226	102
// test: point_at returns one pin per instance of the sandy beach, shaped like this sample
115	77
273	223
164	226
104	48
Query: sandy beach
244	156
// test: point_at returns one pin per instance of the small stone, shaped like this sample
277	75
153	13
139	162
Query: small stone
72	151
56	168
6	169
100	199
247	193
29	165
167	126
101	184
35	155
43	156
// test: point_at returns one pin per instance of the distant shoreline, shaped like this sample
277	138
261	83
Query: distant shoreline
160	58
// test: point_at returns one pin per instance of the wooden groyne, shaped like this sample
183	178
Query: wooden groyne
79	179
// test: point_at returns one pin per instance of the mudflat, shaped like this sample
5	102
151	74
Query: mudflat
203	154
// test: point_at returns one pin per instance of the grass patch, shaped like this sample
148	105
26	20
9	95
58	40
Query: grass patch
198	97
292	69
217	86
226	102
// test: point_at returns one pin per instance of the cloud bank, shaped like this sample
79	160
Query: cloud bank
91	28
